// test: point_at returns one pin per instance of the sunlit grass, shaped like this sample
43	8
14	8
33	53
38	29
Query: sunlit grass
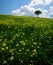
26	40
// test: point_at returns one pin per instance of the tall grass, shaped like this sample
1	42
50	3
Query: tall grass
26	40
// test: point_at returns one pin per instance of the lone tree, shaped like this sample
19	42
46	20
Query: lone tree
37	12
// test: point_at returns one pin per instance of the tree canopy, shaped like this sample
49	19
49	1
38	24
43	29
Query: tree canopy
37	12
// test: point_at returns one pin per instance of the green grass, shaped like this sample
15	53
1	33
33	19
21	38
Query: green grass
26	40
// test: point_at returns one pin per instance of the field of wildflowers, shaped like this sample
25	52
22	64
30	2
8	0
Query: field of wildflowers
26	40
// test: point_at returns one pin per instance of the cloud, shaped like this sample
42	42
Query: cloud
18	12
44	13
51	11
35	2
47	2
29	9
39	2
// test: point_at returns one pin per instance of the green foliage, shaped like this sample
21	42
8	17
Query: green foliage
37	12
26	40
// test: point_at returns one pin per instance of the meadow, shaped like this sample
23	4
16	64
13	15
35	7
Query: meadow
26	40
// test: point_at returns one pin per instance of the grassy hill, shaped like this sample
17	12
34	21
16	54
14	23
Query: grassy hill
26	40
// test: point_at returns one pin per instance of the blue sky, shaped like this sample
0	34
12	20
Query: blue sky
26	7
6	6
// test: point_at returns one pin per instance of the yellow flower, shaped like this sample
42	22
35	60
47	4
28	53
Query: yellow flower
32	39
12	53
38	47
23	33
8	26
32	46
35	43
31	34
4	62
22	42
14	37
2	49
20	50
11	41
34	51
17	44
11	50
6	47
27	49
31	61
12	58
1	31
17	35
39	43
5	40
3	44
15	27
31	55
25	40
21	61
21	36
23	48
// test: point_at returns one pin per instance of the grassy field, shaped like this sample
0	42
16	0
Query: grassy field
26	40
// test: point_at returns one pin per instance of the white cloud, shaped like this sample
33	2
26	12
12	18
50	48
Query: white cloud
29	8
18	12
44	13
35	2
38	2
51	11
47	2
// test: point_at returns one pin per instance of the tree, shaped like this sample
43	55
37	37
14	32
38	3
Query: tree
37	12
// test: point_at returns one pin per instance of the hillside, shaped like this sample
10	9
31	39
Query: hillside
24	19
26	40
